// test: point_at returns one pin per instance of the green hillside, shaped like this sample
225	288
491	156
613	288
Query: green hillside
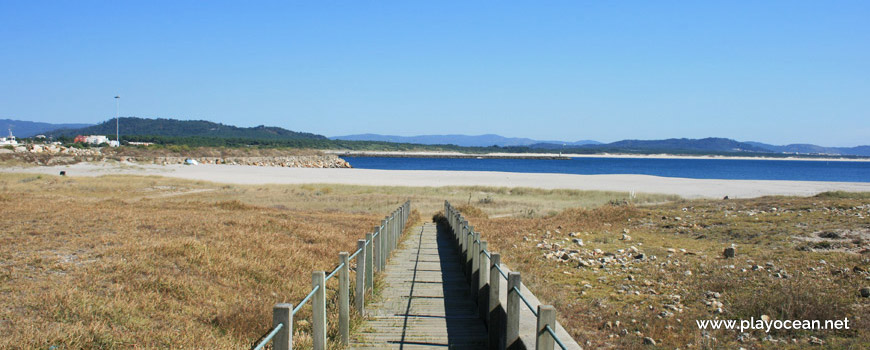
186	128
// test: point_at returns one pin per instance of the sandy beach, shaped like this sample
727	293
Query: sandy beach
237	174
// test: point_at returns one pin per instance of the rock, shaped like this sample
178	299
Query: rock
729	252
765	318
626	238
577	241
865	292
640	256
649	341
687	273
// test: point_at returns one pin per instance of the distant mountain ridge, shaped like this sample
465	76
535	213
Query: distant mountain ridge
710	144
23	128
186	128
802	148
459	140
201	130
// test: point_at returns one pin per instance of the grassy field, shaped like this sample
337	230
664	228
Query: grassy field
151	262
796	258
123	261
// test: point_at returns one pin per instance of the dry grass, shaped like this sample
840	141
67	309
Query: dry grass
125	261
615	305
119	262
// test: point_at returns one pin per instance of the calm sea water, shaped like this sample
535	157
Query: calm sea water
738	169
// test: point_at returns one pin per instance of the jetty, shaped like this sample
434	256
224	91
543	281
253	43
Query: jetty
452	155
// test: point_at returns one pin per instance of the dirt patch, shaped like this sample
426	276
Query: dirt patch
854	240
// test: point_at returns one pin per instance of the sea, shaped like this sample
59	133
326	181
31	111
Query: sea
730	169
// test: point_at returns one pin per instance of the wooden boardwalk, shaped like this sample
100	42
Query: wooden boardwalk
422	279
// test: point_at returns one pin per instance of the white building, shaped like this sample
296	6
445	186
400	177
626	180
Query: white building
8	141
96	139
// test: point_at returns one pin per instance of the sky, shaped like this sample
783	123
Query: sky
771	71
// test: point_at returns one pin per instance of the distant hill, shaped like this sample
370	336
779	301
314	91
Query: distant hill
186	128
459	140
710	144
814	149
23	128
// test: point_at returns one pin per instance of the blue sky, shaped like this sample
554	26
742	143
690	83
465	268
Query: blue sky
770	71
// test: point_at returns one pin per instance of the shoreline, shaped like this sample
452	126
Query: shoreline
450	155
433	154
253	175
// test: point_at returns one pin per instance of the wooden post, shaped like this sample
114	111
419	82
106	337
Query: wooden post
388	235
385	240
369	268
475	265
392	230
392	224
397	233
483	283
469	242
494	320
283	314
454	225
460	242
463	242
359	295
401	221
376	249
512	326
546	317
318	310
344	298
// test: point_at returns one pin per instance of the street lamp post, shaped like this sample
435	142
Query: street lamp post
117	115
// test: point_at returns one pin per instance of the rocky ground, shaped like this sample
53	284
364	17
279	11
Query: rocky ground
624	276
50	154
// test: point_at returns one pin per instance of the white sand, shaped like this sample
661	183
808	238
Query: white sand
238	174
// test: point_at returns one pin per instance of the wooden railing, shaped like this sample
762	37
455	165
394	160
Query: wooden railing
371	254
502	321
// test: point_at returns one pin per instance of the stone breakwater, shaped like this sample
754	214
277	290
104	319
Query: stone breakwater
61	155
326	161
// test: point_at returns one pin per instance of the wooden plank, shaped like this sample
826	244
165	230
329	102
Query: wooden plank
425	303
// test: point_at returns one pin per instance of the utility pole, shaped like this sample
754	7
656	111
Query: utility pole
117	115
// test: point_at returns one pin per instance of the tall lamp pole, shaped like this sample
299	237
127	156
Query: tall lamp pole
117	115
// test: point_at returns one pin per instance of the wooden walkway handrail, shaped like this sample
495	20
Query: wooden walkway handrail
502	321
371	253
